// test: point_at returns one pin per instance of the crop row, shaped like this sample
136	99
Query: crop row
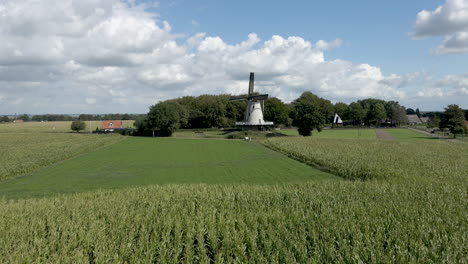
374	159
315	222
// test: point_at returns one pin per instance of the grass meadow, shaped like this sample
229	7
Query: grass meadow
144	161
177	200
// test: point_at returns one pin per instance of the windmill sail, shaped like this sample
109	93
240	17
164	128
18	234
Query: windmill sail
251	84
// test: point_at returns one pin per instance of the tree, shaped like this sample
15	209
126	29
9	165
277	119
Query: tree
417	112
235	111
309	112
5	119
375	111
396	113
23	117
433	121
342	110
78	125
167	117
276	111
356	112
453	119
410	111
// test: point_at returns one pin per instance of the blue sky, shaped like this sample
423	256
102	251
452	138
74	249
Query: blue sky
107	56
373	31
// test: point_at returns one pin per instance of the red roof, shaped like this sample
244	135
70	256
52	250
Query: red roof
111	124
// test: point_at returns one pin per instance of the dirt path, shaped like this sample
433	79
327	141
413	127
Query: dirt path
384	135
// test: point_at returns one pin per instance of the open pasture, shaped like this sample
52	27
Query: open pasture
143	161
52	127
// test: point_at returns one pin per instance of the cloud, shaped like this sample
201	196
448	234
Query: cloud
449	20
102	56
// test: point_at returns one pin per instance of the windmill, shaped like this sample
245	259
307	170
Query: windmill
253	117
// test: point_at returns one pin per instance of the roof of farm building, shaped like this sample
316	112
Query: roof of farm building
413	119
106	124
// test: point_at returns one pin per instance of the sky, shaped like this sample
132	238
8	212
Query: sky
116	56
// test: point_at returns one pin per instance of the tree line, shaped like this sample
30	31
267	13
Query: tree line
82	117
307	112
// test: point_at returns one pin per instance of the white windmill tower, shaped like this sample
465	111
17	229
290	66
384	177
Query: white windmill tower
253	117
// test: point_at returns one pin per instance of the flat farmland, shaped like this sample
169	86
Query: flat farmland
174	200
143	161
22	153
52	127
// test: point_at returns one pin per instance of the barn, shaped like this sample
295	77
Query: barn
111	125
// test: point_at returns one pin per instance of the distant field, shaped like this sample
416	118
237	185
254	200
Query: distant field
142	161
55	126
335	133
201	133
26	152
406	134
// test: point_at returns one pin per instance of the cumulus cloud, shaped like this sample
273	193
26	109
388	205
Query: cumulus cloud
102	56
449	20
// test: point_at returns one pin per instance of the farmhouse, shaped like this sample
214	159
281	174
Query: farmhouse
424	119
413	119
111	125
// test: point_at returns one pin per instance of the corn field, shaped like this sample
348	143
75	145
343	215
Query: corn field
373	159
326	222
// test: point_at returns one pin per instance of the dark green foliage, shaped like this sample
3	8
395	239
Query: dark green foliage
310	112
375	111
395	113
453	119
410	111
23	117
356	112
342	109
78	126
166	117
235	111
4	119
276	111
433	121
207	111
49	117
418	113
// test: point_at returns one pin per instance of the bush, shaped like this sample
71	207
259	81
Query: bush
77	126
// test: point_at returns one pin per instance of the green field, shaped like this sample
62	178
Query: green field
406	134
26	152
143	161
52	127
232	201
375	159
313	222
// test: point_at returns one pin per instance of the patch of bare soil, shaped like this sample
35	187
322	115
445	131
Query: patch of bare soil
384	135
